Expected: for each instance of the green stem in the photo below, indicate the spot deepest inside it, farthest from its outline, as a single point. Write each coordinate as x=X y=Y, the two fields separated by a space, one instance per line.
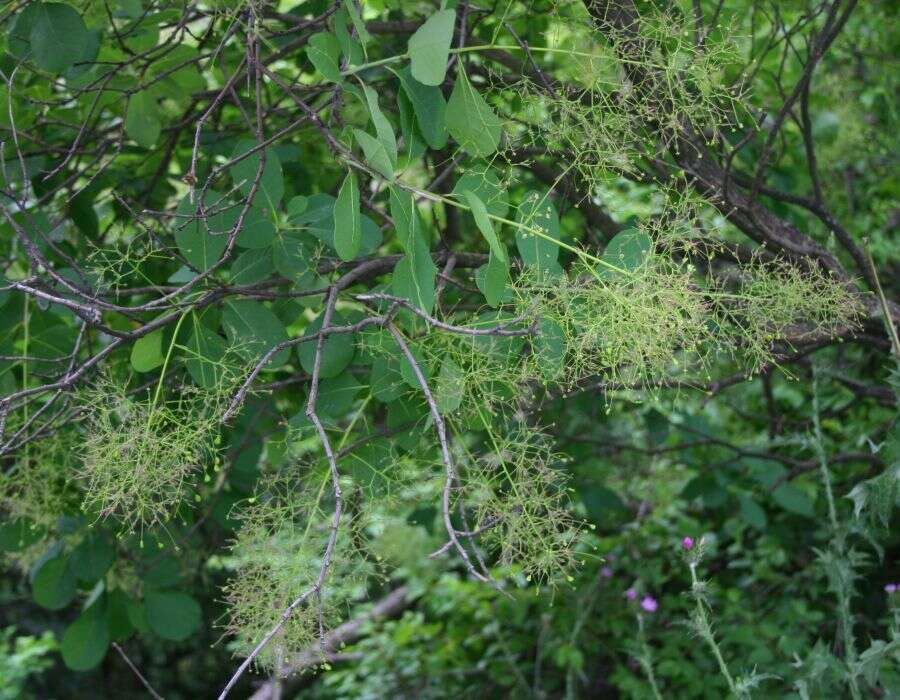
x=488 y=47
x=645 y=660
x=842 y=589
x=705 y=631
x=885 y=309
x=162 y=374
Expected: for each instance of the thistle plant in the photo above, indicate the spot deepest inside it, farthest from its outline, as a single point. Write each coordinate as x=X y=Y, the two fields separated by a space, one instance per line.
x=645 y=657
x=701 y=625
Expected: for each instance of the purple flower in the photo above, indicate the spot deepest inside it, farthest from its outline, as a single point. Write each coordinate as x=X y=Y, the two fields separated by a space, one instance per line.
x=649 y=604
x=891 y=588
x=631 y=594
x=687 y=544
x=606 y=572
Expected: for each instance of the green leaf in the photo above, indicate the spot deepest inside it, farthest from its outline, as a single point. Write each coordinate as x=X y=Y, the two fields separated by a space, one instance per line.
x=146 y=353
x=132 y=9
x=376 y=153
x=429 y=48
x=257 y=230
x=205 y=350
x=414 y=275
x=450 y=387
x=471 y=121
x=244 y=172
x=627 y=250
x=350 y=47
x=406 y=368
x=318 y=220
x=203 y=242
x=174 y=616
x=413 y=142
x=118 y=622
x=385 y=381
x=486 y=185
x=413 y=279
x=16 y=535
x=92 y=558
x=251 y=266
x=492 y=278
x=324 y=52
x=18 y=40
x=538 y=212
x=292 y=256
x=137 y=616
x=53 y=586
x=347 y=224
x=752 y=513
x=58 y=37
x=383 y=129
x=253 y=329
x=550 y=348
x=336 y=394
x=358 y=24
x=370 y=466
x=142 y=121
x=793 y=500
x=482 y=220
x=429 y=106
x=337 y=352
x=162 y=573
x=86 y=640
x=601 y=503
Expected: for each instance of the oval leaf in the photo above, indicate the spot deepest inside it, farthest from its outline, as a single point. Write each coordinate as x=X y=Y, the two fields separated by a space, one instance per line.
x=59 y=37
x=146 y=353
x=337 y=352
x=174 y=616
x=254 y=330
x=429 y=48
x=142 y=121
x=86 y=640
x=324 y=52
x=53 y=586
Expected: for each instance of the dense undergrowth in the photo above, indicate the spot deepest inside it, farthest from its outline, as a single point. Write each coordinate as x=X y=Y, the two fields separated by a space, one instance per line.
x=562 y=333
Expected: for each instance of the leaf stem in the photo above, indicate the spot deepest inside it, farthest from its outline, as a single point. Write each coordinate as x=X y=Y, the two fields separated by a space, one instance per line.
x=162 y=373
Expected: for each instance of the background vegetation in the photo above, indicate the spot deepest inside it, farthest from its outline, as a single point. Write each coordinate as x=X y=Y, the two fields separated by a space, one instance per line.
x=536 y=348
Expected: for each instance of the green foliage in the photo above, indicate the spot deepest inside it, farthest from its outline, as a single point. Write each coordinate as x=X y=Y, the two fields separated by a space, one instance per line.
x=429 y=48
x=277 y=556
x=553 y=284
x=470 y=120
x=140 y=458
x=21 y=657
x=347 y=224
x=86 y=640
